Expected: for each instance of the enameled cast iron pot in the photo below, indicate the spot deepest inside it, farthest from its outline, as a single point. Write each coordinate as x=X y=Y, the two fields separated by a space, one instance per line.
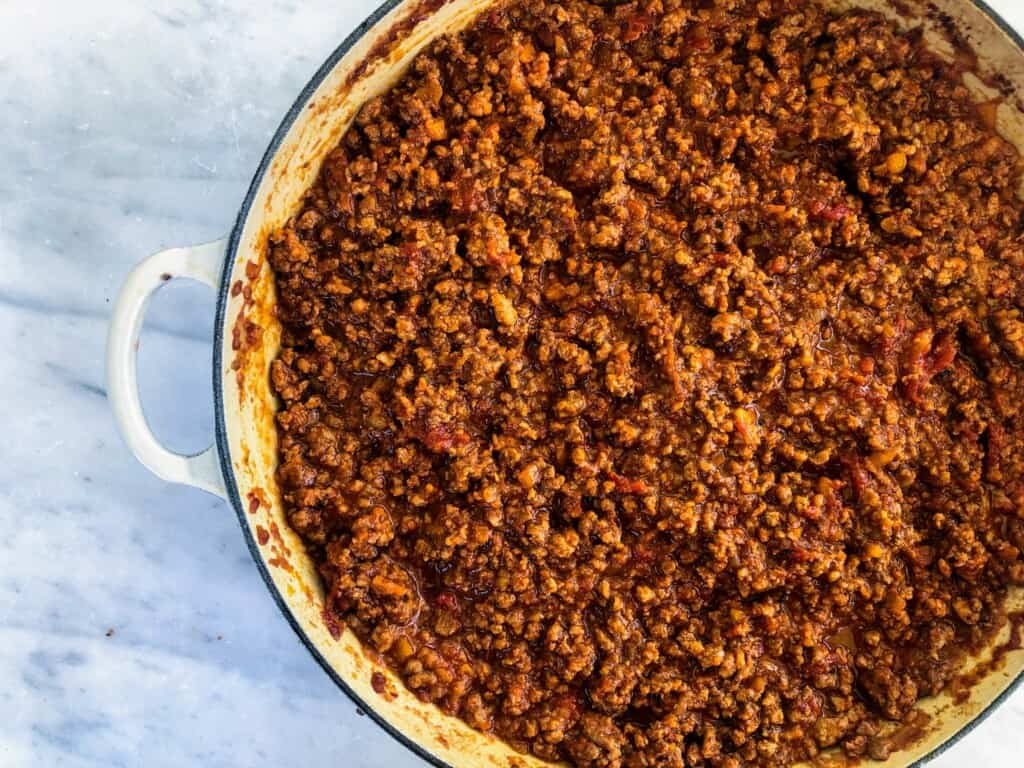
x=240 y=466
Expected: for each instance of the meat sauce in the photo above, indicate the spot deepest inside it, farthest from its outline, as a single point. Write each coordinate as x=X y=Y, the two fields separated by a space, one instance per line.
x=651 y=379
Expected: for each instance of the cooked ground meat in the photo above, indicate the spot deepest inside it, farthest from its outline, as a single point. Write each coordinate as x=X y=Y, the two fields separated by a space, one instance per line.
x=651 y=378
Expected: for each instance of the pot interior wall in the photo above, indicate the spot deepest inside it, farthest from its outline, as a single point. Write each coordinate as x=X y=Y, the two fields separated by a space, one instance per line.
x=251 y=339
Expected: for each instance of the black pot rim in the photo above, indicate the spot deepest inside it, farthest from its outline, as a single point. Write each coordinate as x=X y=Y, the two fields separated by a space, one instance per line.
x=223 y=447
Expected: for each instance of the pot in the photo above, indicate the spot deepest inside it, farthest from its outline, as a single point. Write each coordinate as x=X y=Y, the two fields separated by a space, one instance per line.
x=240 y=465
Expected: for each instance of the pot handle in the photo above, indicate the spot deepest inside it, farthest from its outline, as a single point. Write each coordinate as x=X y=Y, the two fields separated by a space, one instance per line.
x=202 y=263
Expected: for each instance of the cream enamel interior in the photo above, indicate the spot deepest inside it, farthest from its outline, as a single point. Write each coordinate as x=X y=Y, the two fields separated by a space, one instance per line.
x=249 y=404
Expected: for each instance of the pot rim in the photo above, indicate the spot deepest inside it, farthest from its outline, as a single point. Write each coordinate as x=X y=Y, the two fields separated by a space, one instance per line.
x=220 y=426
x=221 y=435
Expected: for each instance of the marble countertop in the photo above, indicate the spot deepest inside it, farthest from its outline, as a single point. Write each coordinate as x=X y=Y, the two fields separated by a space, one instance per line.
x=134 y=628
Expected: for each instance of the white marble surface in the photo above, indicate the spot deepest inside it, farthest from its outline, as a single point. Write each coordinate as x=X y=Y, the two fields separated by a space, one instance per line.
x=134 y=629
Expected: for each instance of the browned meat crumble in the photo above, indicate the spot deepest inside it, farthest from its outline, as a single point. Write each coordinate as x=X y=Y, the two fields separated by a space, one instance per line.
x=651 y=378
